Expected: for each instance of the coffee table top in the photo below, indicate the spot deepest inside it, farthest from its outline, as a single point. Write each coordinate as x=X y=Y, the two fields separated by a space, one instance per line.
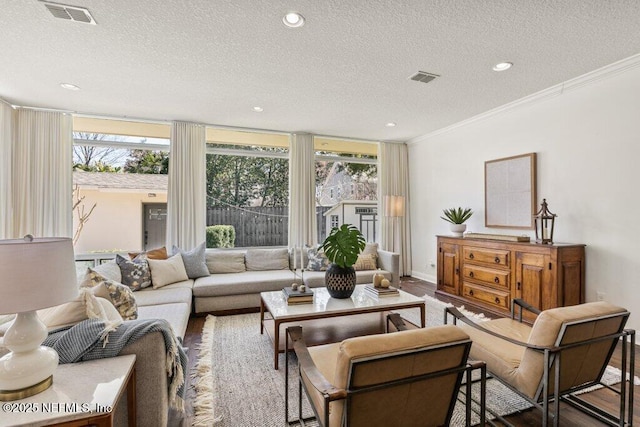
x=323 y=304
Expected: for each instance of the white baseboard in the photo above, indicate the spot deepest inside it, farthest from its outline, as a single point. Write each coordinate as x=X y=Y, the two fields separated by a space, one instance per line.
x=423 y=276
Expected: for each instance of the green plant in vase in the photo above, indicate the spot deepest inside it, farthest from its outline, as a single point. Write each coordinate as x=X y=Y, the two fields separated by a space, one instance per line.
x=342 y=247
x=457 y=218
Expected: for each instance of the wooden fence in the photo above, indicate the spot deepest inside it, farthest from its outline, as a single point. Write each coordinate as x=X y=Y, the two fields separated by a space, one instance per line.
x=261 y=226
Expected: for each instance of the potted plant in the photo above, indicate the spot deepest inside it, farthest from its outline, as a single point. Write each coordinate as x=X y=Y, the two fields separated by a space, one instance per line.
x=456 y=218
x=342 y=247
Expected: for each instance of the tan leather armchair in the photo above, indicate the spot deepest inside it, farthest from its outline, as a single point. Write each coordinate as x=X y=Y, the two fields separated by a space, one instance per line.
x=570 y=346
x=408 y=378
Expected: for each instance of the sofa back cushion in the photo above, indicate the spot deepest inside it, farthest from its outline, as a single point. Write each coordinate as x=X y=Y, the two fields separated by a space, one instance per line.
x=267 y=259
x=221 y=261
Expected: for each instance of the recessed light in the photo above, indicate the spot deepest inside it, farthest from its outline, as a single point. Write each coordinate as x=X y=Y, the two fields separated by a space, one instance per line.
x=390 y=125
x=502 y=66
x=293 y=20
x=258 y=109
x=69 y=86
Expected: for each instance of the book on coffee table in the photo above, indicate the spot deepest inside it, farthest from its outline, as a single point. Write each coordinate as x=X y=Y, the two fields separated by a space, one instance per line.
x=381 y=292
x=296 y=297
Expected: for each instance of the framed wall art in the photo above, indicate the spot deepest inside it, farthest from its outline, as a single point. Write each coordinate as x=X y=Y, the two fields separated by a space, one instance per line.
x=510 y=192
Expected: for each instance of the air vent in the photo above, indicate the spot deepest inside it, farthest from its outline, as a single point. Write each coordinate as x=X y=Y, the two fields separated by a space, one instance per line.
x=70 y=13
x=423 y=77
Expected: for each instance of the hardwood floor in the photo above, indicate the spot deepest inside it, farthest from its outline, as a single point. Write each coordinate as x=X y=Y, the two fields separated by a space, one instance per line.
x=533 y=417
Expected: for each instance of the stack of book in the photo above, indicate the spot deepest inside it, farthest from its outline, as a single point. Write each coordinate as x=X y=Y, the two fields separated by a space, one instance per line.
x=296 y=297
x=381 y=292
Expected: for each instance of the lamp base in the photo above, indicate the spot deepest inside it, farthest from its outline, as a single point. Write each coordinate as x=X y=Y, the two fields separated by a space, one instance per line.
x=23 y=393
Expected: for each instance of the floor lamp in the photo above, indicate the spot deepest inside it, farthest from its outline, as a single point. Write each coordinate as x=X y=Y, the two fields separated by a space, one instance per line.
x=394 y=209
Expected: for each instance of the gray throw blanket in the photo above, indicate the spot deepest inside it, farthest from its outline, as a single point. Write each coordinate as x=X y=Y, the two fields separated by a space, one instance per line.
x=94 y=339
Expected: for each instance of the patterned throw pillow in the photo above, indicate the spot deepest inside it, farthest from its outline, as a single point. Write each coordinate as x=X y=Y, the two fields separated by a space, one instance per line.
x=194 y=261
x=135 y=273
x=120 y=295
x=318 y=261
x=365 y=262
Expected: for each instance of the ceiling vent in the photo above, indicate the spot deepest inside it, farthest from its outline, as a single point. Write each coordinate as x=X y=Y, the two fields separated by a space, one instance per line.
x=423 y=77
x=70 y=13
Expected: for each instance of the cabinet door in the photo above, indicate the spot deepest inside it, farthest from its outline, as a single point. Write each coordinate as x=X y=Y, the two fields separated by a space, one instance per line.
x=449 y=268
x=532 y=279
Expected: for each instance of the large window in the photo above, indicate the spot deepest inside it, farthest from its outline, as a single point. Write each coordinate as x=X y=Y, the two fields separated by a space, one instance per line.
x=346 y=186
x=248 y=186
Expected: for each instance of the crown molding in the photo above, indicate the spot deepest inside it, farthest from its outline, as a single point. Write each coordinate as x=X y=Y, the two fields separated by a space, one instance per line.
x=579 y=82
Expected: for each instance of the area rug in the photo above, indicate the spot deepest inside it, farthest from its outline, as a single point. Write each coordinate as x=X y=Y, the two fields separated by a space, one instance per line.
x=236 y=385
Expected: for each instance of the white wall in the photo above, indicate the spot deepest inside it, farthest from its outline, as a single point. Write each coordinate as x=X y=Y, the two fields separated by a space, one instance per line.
x=587 y=141
x=116 y=222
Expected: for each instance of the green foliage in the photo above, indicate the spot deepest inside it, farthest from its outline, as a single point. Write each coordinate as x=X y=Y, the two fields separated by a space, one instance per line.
x=221 y=236
x=145 y=161
x=343 y=245
x=96 y=167
x=241 y=180
x=457 y=215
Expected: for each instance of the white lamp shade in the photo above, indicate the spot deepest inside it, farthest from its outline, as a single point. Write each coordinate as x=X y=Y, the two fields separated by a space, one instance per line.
x=36 y=274
x=394 y=206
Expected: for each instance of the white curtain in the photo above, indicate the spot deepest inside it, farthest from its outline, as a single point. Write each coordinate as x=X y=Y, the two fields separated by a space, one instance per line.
x=393 y=180
x=6 y=148
x=186 y=198
x=41 y=174
x=302 y=191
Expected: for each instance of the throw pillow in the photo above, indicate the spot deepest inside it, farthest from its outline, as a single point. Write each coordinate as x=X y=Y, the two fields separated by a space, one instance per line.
x=110 y=270
x=119 y=295
x=371 y=248
x=365 y=262
x=267 y=259
x=158 y=253
x=194 y=261
x=221 y=261
x=168 y=271
x=85 y=306
x=318 y=261
x=135 y=273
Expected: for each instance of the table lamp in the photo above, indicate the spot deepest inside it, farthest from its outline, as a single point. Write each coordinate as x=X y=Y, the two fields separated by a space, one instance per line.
x=34 y=274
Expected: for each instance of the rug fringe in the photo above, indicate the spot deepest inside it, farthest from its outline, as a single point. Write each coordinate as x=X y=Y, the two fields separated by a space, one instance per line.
x=202 y=378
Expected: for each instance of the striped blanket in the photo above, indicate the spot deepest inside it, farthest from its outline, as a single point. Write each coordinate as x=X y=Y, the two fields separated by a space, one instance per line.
x=94 y=339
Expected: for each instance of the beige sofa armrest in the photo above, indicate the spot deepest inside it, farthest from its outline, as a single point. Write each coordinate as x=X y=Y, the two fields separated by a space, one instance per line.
x=152 y=397
x=390 y=261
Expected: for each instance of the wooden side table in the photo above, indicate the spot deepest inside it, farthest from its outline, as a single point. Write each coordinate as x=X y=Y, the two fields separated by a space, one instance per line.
x=82 y=394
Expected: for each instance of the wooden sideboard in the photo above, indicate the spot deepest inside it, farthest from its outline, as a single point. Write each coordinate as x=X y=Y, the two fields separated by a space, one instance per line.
x=490 y=273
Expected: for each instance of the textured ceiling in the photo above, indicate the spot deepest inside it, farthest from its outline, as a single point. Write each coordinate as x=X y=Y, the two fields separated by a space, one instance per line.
x=345 y=73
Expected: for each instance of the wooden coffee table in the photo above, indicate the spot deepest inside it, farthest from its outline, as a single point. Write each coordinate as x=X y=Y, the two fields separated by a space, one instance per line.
x=325 y=307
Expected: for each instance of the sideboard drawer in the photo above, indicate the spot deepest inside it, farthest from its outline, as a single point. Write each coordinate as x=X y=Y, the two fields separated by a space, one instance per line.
x=486 y=256
x=493 y=297
x=490 y=276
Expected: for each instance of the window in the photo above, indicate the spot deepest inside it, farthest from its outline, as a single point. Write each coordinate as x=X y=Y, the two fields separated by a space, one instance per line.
x=248 y=186
x=346 y=172
x=120 y=185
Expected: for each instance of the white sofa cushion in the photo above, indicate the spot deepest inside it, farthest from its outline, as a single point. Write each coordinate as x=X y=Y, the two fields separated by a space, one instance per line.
x=174 y=293
x=176 y=314
x=221 y=261
x=247 y=282
x=267 y=259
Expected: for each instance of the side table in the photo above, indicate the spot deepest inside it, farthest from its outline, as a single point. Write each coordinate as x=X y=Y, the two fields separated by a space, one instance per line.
x=82 y=394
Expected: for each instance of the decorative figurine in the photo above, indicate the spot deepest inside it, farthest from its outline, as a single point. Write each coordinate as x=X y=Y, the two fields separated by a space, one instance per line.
x=294 y=286
x=385 y=283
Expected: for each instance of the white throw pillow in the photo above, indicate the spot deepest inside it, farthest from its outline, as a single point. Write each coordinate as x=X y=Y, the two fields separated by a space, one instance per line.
x=109 y=270
x=165 y=272
x=85 y=306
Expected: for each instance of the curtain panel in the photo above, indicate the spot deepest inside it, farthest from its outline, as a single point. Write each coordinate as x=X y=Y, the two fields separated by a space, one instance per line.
x=186 y=195
x=302 y=191
x=393 y=180
x=41 y=175
x=6 y=148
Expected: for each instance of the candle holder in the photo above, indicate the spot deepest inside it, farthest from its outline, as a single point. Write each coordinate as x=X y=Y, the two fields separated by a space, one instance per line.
x=544 y=222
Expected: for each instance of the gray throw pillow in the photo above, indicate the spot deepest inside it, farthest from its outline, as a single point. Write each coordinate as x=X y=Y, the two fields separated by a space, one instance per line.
x=318 y=261
x=135 y=273
x=194 y=261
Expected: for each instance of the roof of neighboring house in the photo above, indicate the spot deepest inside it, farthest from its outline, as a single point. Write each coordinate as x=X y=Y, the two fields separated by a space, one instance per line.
x=129 y=181
x=351 y=202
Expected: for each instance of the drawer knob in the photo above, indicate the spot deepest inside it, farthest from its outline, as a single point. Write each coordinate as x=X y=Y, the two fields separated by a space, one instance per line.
x=497 y=279
x=497 y=260
x=497 y=300
x=471 y=292
x=471 y=274
x=471 y=255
